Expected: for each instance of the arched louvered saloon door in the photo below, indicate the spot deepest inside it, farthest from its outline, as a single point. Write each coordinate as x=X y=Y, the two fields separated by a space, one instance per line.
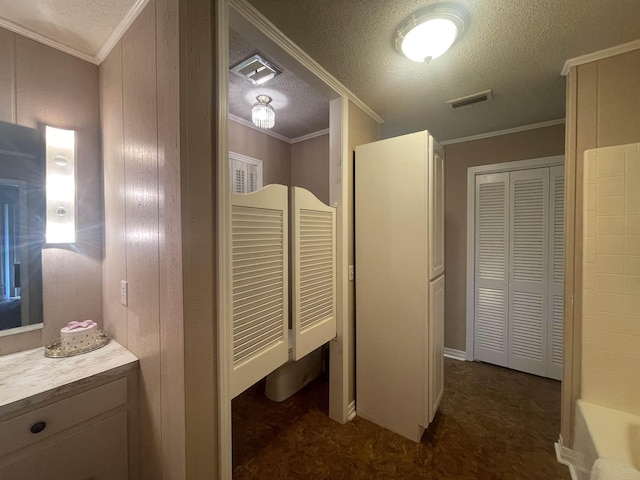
x=260 y=284
x=313 y=272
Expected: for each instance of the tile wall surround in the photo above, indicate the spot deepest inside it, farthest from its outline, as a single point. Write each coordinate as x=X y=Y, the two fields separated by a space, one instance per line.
x=611 y=278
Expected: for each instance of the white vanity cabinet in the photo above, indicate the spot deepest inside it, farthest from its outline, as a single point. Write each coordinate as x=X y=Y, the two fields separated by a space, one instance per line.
x=79 y=425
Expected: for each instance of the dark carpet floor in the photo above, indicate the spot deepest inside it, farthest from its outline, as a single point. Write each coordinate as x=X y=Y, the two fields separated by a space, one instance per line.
x=493 y=423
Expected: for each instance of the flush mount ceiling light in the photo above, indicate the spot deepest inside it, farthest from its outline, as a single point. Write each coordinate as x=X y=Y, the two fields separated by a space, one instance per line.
x=262 y=114
x=430 y=32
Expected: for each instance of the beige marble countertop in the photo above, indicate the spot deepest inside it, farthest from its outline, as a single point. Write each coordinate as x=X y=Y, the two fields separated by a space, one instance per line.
x=29 y=377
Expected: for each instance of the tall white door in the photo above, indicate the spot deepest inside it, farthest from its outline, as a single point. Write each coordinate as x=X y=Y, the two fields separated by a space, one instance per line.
x=491 y=268
x=528 y=272
x=518 y=270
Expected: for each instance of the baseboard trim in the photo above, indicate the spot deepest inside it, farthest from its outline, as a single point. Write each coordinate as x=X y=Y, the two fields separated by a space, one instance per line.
x=351 y=411
x=565 y=456
x=455 y=354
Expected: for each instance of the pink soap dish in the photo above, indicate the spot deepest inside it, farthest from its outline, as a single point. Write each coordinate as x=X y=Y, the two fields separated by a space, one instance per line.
x=55 y=350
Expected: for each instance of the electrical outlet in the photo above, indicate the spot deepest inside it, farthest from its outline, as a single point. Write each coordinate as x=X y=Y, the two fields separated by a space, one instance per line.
x=352 y=273
x=124 y=292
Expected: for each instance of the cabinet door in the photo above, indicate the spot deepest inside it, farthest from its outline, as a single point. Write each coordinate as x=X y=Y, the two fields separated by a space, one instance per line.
x=436 y=209
x=24 y=469
x=436 y=345
x=98 y=452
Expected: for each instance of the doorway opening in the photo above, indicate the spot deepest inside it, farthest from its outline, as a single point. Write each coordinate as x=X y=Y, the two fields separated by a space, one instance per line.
x=296 y=155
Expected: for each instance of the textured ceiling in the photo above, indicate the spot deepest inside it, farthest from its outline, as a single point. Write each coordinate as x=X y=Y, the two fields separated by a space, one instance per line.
x=83 y=25
x=515 y=47
x=300 y=109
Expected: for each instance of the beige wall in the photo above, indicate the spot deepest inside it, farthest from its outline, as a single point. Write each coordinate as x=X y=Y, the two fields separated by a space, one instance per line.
x=42 y=86
x=303 y=164
x=310 y=166
x=361 y=129
x=275 y=154
x=542 y=142
x=140 y=125
x=603 y=109
x=611 y=278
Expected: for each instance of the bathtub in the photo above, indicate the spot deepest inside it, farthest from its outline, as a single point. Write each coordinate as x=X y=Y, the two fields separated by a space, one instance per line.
x=602 y=432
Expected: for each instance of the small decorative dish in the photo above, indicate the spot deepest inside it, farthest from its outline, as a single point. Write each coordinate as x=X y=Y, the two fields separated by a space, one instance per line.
x=56 y=350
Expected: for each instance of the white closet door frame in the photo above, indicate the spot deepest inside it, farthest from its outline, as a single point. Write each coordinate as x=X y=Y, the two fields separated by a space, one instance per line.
x=555 y=161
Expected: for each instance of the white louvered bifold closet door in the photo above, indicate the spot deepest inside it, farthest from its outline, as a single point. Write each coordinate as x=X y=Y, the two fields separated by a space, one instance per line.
x=556 y=273
x=260 y=284
x=313 y=272
x=529 y=253
x=491 y=267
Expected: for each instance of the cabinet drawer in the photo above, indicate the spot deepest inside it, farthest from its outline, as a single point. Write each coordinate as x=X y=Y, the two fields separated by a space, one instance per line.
x=22 y=431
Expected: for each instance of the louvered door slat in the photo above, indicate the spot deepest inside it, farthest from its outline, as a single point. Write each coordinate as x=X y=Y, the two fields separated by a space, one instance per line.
x=556 y=273
x=313 y=273
x=491 y=260
x=260 y=284
x=528 y=258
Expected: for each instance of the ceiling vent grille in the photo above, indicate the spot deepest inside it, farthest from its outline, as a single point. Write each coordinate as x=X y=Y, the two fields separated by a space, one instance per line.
x=471 y=100
x=256 y=69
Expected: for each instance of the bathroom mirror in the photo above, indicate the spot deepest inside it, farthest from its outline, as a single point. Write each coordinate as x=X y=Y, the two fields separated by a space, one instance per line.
x=22 y=226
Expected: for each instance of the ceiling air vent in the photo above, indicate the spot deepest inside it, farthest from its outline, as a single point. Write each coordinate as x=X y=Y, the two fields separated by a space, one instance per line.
x=471 y=100
x=256 y=69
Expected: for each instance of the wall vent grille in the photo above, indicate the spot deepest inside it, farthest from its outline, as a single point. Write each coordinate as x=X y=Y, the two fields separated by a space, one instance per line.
x=471 y=100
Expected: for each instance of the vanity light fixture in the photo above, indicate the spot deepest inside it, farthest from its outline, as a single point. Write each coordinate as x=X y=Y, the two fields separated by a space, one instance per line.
x=262 y=113
x=61 y=185
x=430 y=32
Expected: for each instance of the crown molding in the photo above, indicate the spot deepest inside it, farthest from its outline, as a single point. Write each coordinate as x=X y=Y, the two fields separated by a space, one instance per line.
x=599 y=55
x=249 y=124
x=111 y=41
x=271 y=133
x=49 y=42
x=250 y=13
x=309 y=136
x=120 y=29
x=507 y=131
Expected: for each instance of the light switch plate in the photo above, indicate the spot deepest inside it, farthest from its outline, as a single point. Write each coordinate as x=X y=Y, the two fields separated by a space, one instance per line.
x=124 y=292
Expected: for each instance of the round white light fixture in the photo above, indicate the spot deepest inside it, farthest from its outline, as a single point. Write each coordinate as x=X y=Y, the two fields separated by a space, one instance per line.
x=262 y=114
x=430 y=32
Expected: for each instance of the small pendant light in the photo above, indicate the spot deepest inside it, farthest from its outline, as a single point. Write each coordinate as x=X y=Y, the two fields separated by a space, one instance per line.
x=262 y=114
